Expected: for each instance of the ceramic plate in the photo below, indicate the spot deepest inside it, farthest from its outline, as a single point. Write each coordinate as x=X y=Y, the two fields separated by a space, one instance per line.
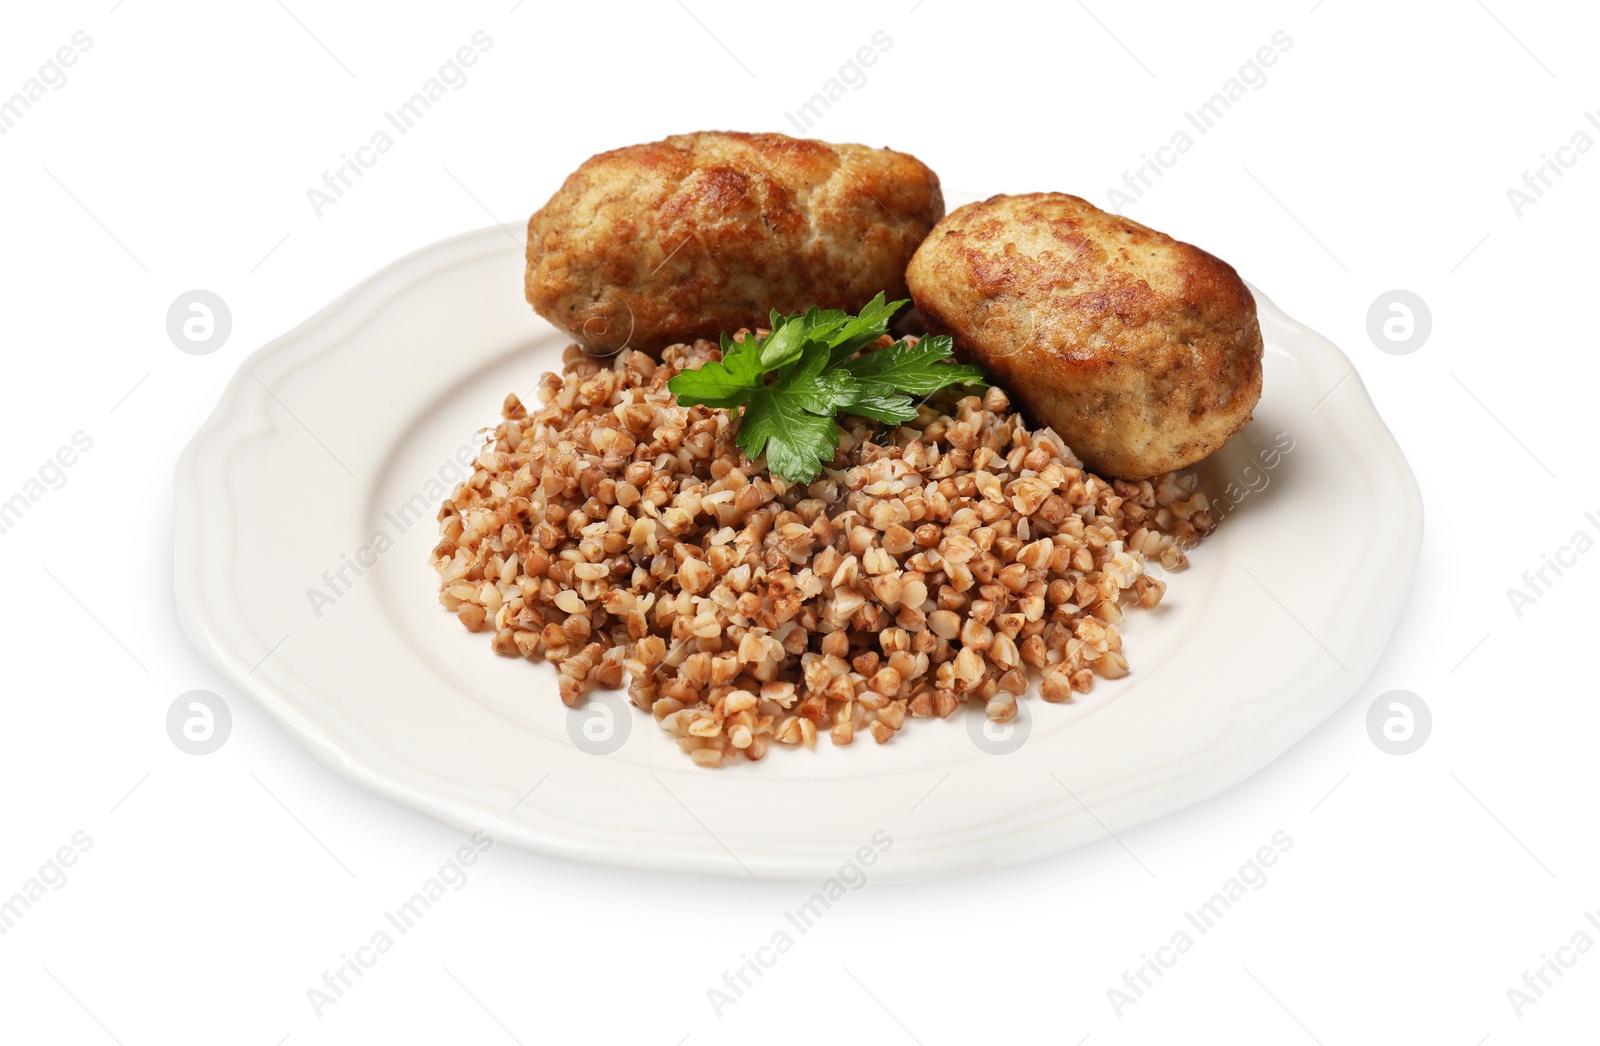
x=305 y=515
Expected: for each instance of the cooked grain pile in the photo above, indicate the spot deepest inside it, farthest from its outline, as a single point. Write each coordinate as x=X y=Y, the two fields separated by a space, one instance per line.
x=615 y=532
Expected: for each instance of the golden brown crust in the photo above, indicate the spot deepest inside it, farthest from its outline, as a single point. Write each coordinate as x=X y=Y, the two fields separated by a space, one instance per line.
x=705 y=233
x=1142 y=352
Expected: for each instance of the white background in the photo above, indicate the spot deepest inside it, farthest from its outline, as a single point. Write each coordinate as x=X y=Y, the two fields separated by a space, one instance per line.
x=1377 y=156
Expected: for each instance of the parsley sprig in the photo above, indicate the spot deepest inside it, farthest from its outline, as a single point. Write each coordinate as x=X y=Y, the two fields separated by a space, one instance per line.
x=810 y=368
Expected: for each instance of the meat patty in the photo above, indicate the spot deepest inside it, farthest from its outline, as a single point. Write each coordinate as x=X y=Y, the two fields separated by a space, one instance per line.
x=705 y=233
x=1142 y=352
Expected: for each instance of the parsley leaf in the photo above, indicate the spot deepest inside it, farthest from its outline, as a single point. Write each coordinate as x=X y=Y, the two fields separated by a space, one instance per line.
x=792 y=383
x=726 y=384
x=787 y=340
x=863 y=330
x=821 y=325
x=797 y=442
x=911 y=368
x=792 y=418
x=881 y=403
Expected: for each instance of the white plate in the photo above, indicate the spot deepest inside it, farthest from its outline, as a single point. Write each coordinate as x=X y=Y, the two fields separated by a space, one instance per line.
x=327 y=433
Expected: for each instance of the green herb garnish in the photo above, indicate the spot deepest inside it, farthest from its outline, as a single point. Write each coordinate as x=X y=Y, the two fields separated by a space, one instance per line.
x=810 y=368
